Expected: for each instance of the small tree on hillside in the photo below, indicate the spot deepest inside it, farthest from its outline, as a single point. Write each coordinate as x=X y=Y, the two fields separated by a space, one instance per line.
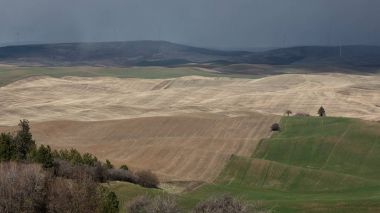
x=321 y=112
x=288 y=112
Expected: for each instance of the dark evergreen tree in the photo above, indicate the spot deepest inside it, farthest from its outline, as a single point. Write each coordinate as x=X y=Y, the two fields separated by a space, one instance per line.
x=44 y=156
x=109 y=202
x=24 y=142
x=108 y=165
x=89 y=160
x=7 y=147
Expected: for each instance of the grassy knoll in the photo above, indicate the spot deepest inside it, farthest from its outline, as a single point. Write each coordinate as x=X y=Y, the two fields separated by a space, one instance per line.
x=343 y=145
x=9 y=74
x=312 y=165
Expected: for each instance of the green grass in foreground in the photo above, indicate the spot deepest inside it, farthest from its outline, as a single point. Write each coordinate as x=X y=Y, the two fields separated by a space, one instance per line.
x=313 y=165
x=11 y=74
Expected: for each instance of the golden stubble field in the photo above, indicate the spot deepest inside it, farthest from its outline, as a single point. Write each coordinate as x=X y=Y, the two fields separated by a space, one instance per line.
x=184 y=128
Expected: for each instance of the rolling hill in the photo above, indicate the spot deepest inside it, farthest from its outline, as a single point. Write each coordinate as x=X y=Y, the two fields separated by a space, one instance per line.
x=104 y=98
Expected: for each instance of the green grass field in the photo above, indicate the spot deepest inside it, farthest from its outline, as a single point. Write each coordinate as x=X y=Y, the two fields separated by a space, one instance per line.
x=312 y=165
x=11 y=74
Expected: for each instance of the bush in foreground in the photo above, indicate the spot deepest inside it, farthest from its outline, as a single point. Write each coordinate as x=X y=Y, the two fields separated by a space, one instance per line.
x=302 y=114
x=22 y=187
x=147 y=179
x=224 y=204
x=43 y=155
x=66 y=195
x=109 y=202
x=30 y=188
x=158 y=204
x=122 y=175
x=138 y=205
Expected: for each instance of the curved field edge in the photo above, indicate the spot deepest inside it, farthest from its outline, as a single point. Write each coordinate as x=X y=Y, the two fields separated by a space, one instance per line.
x=282 y=176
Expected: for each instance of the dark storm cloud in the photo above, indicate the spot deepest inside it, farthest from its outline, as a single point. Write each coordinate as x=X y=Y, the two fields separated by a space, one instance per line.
x=210 y=23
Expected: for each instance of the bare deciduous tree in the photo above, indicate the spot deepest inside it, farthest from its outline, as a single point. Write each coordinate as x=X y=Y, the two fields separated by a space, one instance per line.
x=22 y=187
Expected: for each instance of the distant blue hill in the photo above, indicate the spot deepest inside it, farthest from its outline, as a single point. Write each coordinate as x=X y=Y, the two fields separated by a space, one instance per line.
x=162 y=53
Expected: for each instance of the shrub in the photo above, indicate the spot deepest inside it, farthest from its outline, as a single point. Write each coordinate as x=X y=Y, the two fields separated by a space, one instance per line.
x=66 y=195
x=22 y=187
x=44 y=156
x=121 y=175
x=158 y=204
x=109 y=202
x=302 y=114
x=108 y=165
x=224 y=204
x=125 y=167
x=29 y=188
x=147 y=179
x=100 y=173
x=275 y=127
x=163 y=204
x=138 y=205
x=65 y=169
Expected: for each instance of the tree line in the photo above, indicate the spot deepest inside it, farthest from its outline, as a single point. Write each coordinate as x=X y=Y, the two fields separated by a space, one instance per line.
x=38 y=179
x=68 y=181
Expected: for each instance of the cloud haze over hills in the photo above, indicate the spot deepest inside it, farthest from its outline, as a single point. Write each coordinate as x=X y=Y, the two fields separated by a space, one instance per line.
x=206 y=23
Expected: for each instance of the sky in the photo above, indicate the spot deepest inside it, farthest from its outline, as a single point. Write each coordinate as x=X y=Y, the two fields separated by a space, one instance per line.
x=223 y=24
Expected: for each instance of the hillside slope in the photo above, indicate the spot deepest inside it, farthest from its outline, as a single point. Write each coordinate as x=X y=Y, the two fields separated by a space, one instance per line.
x=184 y=148
x=295 y=180
x=313 y=165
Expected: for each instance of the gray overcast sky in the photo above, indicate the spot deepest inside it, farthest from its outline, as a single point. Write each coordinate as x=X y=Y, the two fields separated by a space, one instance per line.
x=208 y=23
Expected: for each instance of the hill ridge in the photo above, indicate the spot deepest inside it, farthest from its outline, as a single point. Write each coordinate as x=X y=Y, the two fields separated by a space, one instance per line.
x=163 y=53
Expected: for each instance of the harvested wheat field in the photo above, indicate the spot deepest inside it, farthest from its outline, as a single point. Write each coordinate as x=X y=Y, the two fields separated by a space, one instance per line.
x=94 y=99
x=183 y=128
x=192 y=147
